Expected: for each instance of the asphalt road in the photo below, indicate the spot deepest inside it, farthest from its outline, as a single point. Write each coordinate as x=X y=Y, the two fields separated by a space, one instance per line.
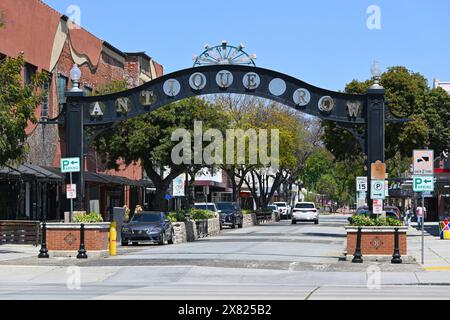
x=278 y=261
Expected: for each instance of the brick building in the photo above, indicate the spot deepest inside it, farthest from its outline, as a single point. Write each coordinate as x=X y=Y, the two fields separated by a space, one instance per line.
x=52 y=44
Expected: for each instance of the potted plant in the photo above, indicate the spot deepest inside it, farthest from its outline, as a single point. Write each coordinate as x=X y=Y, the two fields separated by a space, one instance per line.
x=377 y=235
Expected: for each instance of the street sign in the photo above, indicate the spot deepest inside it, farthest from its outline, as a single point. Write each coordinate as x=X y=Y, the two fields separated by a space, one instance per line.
x=423 y=183
x=378 y=171
x=378 y=206
x=71 y=191
x=386 y=189
x=361 y=184
x=377 y=191
x=424 y=162
x=69 y=165
x=179 y=186
x=168 y=197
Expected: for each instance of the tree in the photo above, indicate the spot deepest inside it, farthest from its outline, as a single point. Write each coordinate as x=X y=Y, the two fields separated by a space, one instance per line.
x=148 y=139
x=294 y=148
x=18 y=101
x=406 y=94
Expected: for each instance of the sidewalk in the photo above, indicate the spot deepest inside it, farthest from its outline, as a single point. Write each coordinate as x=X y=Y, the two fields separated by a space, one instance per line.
x=437 y=251
x=14 y=252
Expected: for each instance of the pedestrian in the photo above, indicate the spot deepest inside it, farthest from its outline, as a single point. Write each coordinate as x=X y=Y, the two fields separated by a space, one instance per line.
x=420 y=217
x=408 y=217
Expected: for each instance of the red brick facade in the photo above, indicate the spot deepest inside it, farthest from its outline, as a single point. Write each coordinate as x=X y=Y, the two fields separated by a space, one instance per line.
x=63 y=239
x=49 y=44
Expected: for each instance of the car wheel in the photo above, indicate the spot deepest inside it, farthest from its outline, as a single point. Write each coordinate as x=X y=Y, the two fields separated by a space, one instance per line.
x=294 y=222
x=125 y=244
x=135 y=244
x=241 y=225
x=162 y=240
x=316 y=222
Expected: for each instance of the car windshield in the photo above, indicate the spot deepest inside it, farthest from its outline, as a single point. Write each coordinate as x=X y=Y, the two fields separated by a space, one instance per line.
x=282 y=205
x=226 y=206
x=305 y=206
x=205 y=207
x=147 y=217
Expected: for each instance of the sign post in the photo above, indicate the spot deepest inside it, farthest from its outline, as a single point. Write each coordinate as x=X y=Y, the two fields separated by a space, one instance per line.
x=71 y=165
x=423 y=182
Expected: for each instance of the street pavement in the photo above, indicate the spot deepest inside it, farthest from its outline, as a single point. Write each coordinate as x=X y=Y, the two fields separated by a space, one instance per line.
x=275 y=261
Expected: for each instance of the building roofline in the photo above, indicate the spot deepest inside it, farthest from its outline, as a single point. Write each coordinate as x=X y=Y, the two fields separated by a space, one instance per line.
x=139 y=54
x=118 y=51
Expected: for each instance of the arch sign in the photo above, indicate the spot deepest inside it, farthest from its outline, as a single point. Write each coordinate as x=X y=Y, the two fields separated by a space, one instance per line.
x=346 y=110
x=328 y=105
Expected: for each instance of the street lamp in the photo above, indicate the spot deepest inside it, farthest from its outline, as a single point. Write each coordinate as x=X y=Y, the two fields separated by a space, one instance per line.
x=376 y=73
x=75 y=76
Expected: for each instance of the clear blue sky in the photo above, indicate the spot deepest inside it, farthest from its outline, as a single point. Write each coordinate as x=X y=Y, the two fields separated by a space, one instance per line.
x=323 y=42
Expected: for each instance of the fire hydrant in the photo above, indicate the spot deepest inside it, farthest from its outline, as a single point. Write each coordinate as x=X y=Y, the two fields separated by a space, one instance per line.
x=113 y=240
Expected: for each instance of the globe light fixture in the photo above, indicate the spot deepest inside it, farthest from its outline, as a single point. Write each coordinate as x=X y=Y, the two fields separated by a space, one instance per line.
x=75 y=76
x=376 y=72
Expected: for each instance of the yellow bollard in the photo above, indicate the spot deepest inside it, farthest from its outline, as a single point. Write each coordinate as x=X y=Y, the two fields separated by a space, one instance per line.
x=113 y=240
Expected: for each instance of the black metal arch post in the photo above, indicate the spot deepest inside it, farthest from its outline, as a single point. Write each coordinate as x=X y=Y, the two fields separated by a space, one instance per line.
x=346 y=110
x=375 y=131
x=74 y=131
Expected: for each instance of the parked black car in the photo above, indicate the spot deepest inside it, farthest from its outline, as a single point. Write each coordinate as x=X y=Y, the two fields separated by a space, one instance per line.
x=230 y=214
x=149 y=227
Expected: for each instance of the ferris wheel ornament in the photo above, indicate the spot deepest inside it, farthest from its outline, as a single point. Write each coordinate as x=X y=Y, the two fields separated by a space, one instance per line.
x=225 y=54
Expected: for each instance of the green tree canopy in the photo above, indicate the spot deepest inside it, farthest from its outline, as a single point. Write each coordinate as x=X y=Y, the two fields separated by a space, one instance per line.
x=148 y=139
x=18 y=101
x=407 y=95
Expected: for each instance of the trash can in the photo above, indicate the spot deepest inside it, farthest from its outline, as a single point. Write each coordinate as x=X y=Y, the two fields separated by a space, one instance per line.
x=445 y=230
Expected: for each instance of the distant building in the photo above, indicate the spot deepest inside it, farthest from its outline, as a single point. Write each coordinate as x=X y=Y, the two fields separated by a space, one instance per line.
x=51 y=44
x=441 y=84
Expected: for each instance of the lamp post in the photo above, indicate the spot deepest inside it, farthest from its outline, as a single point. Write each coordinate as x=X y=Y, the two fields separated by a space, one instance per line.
x=74 y=134
x=375 y=130
x=75 y=76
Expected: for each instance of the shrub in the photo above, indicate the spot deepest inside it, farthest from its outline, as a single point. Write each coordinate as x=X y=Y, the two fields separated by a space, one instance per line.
x=202 y=215
x=177 y=216
x=247 y=212
x=93 y=217
x=364 y=221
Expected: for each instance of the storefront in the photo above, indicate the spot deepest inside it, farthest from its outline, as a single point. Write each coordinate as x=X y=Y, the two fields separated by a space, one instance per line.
x=29 y=193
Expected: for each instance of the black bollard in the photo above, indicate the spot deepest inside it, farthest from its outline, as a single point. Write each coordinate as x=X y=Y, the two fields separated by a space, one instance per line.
x=43 y=253
x=357 y=257
x=82 y=252
x=396 y=258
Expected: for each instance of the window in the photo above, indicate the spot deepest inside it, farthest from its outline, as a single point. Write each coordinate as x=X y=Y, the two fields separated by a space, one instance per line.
x=45 y=101
x=29 y=72
x=62 y=88
x=87 y=91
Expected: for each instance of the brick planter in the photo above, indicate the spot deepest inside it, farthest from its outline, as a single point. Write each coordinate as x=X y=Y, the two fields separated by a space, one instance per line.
x=63 y=239
x=377 y=241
